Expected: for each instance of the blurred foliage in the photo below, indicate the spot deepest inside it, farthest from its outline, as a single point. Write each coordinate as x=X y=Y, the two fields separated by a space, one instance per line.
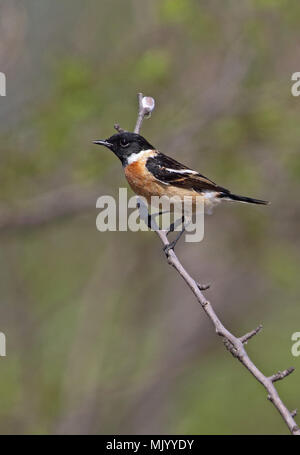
x=97 y=323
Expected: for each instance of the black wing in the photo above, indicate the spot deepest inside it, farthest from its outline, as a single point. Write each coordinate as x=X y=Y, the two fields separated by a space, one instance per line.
x=171 y=172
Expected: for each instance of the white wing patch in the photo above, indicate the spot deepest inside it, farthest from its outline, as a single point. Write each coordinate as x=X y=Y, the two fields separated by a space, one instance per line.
x=181 y=171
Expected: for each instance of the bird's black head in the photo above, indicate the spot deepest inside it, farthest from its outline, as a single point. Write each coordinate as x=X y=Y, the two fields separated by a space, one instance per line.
x=125 y=144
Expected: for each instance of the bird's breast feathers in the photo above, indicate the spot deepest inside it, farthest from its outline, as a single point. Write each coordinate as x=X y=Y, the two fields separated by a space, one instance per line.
x=141 y=180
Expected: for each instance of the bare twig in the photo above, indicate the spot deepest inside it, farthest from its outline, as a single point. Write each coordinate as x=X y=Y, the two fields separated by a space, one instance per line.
x=281 y=374
x=118 y=128
x=234 y=344
x=251 y=334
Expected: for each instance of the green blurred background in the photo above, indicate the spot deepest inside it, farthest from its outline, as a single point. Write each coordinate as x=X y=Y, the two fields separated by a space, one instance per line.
x=102 y=335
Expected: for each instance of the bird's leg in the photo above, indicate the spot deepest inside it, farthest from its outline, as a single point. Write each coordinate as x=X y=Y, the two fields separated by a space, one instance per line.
x=150 y=217
x=172 y=245
x=174 y=225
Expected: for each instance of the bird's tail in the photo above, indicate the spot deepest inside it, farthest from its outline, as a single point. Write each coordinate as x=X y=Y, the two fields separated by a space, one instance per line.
x=249 y=200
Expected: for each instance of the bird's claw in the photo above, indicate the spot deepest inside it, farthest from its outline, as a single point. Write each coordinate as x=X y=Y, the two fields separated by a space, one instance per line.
x=168 y=247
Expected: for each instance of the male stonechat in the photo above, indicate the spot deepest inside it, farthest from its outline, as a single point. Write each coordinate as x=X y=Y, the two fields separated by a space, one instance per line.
x=151 y=173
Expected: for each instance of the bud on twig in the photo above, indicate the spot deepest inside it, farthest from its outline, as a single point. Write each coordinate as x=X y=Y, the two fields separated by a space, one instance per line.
x=148 y=105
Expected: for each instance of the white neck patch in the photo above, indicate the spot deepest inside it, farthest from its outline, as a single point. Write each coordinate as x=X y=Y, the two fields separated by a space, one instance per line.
x=137 y=156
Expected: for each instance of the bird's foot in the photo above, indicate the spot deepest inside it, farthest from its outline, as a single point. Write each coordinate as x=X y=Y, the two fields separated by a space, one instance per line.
x=171 y=245
x=168 y=247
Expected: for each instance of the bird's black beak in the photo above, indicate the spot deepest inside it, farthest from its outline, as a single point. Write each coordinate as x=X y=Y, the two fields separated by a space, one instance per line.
x=105 y=143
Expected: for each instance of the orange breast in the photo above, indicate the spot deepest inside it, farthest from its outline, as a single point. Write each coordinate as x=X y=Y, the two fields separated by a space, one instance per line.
x=141 y=180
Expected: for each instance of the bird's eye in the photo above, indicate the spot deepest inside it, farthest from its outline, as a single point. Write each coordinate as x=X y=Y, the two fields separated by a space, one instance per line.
x=124 y=143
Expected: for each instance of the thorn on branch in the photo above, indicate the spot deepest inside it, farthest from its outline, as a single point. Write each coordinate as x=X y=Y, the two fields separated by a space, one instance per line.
x=118 y=128
x=281 y=374
x=294 y=413
x=203 y=287
x=251 y=334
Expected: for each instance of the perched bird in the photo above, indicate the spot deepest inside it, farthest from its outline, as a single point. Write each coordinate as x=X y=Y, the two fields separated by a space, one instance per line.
x=151 y=173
